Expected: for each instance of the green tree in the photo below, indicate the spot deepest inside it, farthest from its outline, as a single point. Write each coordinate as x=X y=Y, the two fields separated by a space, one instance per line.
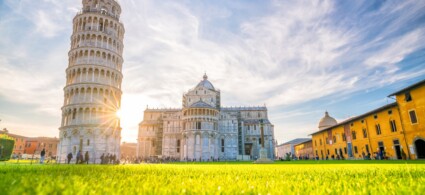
x=6 y=147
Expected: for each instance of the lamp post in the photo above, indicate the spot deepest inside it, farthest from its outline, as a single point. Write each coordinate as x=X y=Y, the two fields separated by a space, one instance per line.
x=263 y=151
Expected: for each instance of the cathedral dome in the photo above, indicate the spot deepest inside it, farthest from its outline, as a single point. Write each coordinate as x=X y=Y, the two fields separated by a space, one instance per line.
x=327 y=121
x=205 y=83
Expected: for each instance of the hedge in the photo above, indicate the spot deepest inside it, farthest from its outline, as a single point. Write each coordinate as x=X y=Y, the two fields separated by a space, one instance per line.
x=6 y=147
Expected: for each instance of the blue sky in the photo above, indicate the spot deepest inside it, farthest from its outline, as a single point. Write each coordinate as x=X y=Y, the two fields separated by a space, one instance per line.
x=300 y=58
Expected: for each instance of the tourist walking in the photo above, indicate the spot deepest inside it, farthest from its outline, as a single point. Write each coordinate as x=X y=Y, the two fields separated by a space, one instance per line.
x=69 y=157
x=42 y=155
x=86 y=157
x=78 y=157
x=102 y=159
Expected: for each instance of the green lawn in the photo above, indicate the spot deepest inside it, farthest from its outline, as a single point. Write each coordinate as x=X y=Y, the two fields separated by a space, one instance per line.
x=295 y=177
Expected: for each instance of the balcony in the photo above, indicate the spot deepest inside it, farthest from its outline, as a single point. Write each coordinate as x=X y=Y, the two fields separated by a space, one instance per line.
x=100 y=11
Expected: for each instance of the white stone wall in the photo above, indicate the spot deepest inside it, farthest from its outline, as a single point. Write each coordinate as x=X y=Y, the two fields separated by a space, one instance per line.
x=205 y=130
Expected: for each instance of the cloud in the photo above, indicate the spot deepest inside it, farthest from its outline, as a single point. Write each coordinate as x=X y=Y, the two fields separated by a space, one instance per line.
x=282 y=53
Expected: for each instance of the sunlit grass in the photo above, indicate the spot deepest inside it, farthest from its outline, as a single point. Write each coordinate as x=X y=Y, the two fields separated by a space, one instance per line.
x=231 y=178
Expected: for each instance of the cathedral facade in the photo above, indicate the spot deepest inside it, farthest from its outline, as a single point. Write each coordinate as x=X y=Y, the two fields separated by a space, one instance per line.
x=203 y=130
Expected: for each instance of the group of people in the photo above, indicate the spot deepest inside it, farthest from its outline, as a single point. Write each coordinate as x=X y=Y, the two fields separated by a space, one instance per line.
x=80 y=158
x=108 y=159
x=379 y=155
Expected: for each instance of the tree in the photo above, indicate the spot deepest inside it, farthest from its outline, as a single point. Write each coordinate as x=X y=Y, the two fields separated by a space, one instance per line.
x=6 y=147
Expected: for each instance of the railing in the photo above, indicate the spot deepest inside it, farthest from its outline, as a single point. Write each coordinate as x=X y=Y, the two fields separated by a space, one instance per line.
x=95 y=62
x=105 y=30
x=98 y=45
x=101 y=11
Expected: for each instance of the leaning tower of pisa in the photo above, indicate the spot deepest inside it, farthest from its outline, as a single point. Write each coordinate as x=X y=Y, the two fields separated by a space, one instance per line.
x=92 y=95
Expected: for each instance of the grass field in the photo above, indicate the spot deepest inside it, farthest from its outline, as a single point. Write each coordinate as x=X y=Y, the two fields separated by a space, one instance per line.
x=302 y=177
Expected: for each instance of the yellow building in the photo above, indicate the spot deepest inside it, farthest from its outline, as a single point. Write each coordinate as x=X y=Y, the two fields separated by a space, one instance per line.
x=393 y=131
x=411 y=105
x=304 y=149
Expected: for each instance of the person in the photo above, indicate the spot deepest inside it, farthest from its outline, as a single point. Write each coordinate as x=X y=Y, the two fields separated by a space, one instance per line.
x=78 y=157
x=69 y=157
x=81 y=158
x=108 y=159
x=403 y=155
x=102 y=159
x=86 y=157
x=42 y=155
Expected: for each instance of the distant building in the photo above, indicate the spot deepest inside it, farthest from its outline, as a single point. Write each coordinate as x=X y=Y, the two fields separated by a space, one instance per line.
x=393 y=131
x=128 y=149
x=33 y=145
x=304 y=150
x=288 y=147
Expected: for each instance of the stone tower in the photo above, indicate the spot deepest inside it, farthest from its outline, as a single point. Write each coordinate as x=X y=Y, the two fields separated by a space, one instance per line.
x=92 y=95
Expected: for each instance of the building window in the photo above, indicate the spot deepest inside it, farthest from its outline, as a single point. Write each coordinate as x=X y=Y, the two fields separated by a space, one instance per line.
x=328 y=152
x=362 y=121
x=396 y=142
x=345 y=150
x=315 y=143
x=355 y=149
x=354 y=135
x=413 y=118
x=364 y=133
x=73 y=114
x=88 y=142
x=336 y=151
x=198 y=125
x=367 y=148
x=390 y=112
x=344 y=138
x=375 y=116
x=378 y=129
x=407 y=97
x=178 y=146
x=334 y=138
x=320 y=141
x=393 y=126
x=222 y=145
x=351 y=124
x=317 y=154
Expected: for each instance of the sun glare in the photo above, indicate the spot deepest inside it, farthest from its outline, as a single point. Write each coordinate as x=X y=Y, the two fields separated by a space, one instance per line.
x=119 y=113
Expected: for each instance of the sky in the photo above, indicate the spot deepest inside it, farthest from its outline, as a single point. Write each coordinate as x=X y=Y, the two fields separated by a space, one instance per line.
x=300 y=58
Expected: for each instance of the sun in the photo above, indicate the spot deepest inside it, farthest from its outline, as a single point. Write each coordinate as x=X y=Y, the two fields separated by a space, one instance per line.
x=119 y=113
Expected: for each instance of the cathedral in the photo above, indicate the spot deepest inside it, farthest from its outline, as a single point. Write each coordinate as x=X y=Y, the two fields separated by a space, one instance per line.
x=203 y=130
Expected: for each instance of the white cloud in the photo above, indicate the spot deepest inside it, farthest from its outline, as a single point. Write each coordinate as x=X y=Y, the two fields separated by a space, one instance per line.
x=291 y=54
